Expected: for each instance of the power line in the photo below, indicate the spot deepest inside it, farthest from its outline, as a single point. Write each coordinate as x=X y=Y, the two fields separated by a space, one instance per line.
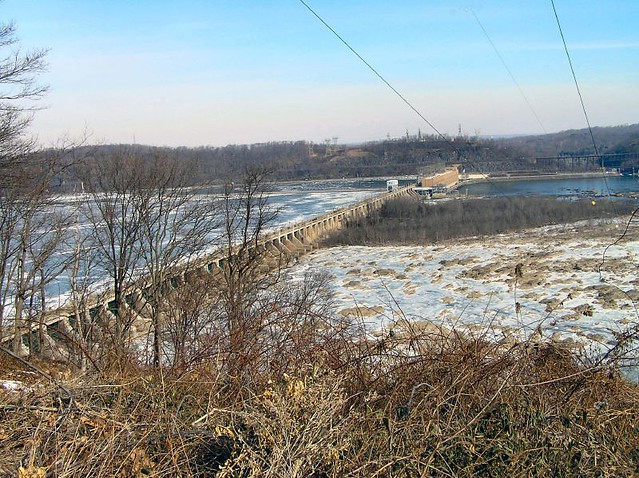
x=503 y=62
x=402 y=97
x=510 y=73
x=372 y=69
x=574 y=77
x=583 y=106
x=592 y=136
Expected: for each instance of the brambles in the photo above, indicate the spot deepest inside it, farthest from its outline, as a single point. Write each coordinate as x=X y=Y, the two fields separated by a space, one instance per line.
x=426 y=403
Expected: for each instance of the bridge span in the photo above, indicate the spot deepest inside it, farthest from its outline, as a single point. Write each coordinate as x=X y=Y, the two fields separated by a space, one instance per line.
x=291 y=241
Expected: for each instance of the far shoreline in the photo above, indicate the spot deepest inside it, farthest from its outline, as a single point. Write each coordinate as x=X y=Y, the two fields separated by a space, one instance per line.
x=535 y=177
x=500 y=177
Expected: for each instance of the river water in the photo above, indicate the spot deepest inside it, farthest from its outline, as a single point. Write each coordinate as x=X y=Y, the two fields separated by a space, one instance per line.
x=590 y=186
x=586 y=186
x=302 y=200
x=431 y=282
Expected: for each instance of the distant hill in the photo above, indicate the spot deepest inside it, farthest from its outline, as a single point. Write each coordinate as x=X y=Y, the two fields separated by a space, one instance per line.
x=610 y=139
x=291 y=160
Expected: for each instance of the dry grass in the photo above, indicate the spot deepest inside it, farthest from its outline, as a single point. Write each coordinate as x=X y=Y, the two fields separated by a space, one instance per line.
x=417 y=403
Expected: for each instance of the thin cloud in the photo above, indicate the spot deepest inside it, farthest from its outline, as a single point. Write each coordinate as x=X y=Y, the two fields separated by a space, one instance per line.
x=573 y=46
x=606 y=46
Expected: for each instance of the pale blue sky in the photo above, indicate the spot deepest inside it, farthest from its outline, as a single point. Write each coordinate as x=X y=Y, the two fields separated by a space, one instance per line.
x=218 y=72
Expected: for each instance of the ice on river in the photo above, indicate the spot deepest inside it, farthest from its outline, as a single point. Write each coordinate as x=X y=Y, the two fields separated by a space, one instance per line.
x=293 y=206
x=472 y=284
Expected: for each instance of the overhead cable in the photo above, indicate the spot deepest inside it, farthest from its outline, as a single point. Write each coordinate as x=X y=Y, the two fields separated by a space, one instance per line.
x=503 y=62
x=393 y=89
x=408 y=103
x=574 y=77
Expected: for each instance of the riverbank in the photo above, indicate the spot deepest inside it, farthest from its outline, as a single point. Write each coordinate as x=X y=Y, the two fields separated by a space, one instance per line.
x=310 y=392
x=534 y=177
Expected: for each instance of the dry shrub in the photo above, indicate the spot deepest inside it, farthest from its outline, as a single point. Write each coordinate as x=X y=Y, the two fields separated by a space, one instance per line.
x=472 y=408
x=416 y=402
x=296 y=427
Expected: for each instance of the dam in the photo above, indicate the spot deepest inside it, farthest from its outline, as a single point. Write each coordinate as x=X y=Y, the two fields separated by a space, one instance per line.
x=273 y=249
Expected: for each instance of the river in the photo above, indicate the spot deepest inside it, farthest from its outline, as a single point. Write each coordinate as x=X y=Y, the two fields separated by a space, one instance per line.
x=587 y=186
x=571 y=186
x=302 y=200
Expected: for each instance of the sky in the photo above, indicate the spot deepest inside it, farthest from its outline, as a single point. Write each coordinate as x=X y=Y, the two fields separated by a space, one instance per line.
x=217 y=72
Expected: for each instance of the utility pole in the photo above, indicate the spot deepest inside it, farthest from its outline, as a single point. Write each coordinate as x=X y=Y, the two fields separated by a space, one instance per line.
x=327 y=142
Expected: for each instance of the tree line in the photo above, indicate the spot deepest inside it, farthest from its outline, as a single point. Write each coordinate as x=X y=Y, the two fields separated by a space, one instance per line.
x=295 y=160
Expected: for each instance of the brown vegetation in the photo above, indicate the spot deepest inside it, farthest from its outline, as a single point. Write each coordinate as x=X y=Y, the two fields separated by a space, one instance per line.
x=406 y=220
x=415 y=402
x=260 y=378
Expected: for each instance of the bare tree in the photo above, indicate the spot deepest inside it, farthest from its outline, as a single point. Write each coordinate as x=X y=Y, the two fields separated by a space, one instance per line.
x=177 y=225
x=28 y=237
x=114 y=218
x=247 y=215
x=194 y=327
x=147 y=223
x=18 y=86
x=32 y=227
x=9 y=246
x=222 y=314
x=244 y=315
x=41 y=231
x=84 y=271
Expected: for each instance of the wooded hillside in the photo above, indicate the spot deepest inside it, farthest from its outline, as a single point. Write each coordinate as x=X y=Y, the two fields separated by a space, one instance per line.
x=290 y=160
